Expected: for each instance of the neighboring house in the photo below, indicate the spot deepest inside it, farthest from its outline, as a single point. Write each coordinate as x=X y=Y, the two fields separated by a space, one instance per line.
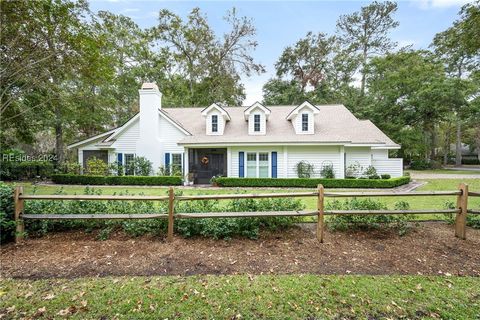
x=257 y=141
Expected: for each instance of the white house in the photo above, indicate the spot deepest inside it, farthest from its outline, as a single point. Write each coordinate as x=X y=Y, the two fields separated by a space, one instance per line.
x=258 y=141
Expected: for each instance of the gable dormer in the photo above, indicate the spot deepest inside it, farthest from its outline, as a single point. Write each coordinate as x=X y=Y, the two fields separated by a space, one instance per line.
x=215 y=119
x=257 y=116
x=303 y=118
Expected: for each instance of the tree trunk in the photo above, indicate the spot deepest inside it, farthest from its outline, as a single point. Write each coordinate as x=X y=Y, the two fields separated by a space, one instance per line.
x=458 y=144
x=477 y=142
x=446 y=147
x=59 y=135
x=364 y=64
x=433 y=143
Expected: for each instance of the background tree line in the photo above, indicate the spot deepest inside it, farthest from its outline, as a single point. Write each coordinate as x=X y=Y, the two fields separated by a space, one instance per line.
x=67 y=72
x=423 y=99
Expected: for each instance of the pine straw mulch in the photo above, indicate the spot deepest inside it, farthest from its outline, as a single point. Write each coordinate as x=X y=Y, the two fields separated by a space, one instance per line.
x=429 y=248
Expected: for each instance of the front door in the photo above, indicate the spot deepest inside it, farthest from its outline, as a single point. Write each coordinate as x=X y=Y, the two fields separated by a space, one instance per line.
x=207 y=163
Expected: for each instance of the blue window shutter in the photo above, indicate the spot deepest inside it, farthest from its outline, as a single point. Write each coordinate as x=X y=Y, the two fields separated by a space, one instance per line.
x=274 y=164
x=167 y=159
x=120 y=158
x=241 y=164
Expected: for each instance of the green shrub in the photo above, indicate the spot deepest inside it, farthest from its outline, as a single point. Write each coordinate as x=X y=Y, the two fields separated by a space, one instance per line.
x=371 y=173
x=470 y=161
x=25 y=170
x=72 y=167
x=354 y=170
x=7 y=219
x=229 y=227
x=420 y=165
x=116 y=180
x=216 y=228
x=311 y=183
x=140 y=166
x=304 y=169
x=385 y=176
x=116 y=168
x=473 y=220
x=96 y=167
x=327 y=172
x=365 y=222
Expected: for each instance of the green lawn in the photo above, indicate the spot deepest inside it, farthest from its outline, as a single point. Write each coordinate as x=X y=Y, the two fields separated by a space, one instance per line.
x=445 y=171
x=244 y=297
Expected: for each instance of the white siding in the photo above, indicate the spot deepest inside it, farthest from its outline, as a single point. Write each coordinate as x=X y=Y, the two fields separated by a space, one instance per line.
x=234 y=165
x=126 y=141
x=319 y=156
x=379 y=154
x=297 y=121
x=251 y=122
x=208 y=122
x=393 y=167
x=362 y=155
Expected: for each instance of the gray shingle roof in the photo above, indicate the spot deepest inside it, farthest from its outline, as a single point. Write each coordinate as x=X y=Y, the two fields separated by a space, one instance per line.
x=333 y=124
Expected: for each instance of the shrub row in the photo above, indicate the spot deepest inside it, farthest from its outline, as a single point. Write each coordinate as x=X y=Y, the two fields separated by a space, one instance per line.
x=312 y=183
x=10 y=170
x=117 y=180
x=7 y=222
x=470 y=161
x=216 y=228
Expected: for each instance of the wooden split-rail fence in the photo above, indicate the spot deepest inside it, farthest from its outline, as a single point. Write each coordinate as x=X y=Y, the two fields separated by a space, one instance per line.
x=460 y=211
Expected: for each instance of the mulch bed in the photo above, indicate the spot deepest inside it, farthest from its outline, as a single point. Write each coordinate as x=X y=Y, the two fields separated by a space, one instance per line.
x=429 y=248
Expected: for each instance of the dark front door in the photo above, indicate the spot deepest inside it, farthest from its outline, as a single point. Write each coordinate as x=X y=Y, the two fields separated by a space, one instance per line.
x=207 y=163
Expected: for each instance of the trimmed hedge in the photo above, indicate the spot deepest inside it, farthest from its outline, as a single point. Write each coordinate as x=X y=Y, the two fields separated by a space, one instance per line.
x=312 y=183
x=117 y=180
x=25 y=170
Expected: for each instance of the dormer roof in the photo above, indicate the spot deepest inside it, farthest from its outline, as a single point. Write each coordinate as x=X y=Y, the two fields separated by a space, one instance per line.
x=215 y=106
x=307 y=104
x=255 y=106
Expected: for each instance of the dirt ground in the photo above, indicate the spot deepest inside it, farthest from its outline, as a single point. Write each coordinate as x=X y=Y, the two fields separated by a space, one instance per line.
x=430 y=248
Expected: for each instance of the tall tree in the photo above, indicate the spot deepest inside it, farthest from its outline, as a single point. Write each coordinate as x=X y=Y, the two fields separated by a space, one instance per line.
x=459 y=62
x=308 y=60
x=409 y=91
x=211 y=65
x=366 y=33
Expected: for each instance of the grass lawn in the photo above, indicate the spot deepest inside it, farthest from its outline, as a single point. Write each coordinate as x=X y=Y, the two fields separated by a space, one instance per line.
x=444 y=171
x=244 y=297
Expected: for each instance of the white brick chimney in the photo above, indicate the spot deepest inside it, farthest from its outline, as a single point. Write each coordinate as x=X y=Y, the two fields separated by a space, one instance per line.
x=149 y=145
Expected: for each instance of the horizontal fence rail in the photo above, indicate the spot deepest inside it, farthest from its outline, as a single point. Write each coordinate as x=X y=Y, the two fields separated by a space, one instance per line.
x=460 y=220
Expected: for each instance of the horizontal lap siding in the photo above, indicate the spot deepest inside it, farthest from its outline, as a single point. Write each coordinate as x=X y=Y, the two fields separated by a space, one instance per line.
x=361 y=155
x=393 y=167
x=234 y=160
x=169 y=136
x=126 y=142
x=316 y=155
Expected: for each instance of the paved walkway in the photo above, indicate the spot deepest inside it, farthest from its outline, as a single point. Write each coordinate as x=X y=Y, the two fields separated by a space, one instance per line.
x=426 y=176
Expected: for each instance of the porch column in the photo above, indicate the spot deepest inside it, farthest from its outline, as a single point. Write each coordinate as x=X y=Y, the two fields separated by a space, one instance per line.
x=185 y=164
x=342 y=162
x=229 y=162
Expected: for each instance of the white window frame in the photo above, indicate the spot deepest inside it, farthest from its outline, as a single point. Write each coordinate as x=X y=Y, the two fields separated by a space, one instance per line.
x=216 y=123
x=125 y=163
x=181 y=159
x=255 y=116
x=257 y=163
x=302 y=122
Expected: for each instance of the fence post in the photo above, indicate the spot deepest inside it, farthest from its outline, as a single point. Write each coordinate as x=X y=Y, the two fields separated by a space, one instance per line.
x=461 y=218
x=20 y=228
x=171 y=198
x=320 y=213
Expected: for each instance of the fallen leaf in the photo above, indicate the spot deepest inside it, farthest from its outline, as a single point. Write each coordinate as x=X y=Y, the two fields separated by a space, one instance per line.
x=49 y=296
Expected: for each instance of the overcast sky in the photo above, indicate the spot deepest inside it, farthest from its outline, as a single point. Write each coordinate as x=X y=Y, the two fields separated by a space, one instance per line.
x=282 y=23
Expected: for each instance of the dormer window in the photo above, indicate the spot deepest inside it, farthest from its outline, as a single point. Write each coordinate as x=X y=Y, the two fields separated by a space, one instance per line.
x=305 y=122
x=214 y=123
x=216 y=119
x=256 y=123
x=257 y=116
x=303 y=118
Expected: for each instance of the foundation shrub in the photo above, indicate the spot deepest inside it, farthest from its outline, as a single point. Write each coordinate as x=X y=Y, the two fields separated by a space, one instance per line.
x=367 y=222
